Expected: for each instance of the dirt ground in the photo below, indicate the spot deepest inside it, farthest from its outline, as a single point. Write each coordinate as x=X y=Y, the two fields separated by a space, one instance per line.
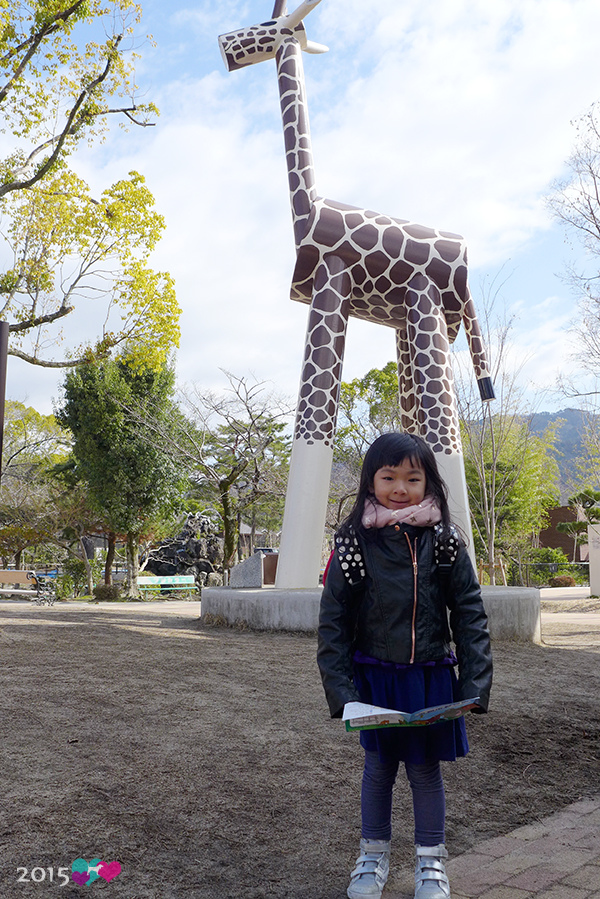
x=203 y=759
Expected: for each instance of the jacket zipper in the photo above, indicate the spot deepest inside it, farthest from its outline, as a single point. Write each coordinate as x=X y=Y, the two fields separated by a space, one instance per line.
x=413 y=555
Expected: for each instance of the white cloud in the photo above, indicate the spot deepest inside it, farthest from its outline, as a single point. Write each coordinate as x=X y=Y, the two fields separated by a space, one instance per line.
x=463 y=119
x=455 y=114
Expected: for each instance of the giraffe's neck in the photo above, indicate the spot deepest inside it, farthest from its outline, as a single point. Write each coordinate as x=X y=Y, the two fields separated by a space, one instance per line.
x=296 y=133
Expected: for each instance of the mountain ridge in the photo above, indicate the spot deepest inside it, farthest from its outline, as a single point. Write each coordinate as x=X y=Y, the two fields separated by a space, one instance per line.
x=569 y=442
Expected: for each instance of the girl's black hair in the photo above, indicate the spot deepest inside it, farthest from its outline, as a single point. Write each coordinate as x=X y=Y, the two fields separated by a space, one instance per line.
x=391 y=450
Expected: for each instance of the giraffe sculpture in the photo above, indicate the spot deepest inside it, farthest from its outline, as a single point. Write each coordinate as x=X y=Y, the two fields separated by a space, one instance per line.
x=352 y=261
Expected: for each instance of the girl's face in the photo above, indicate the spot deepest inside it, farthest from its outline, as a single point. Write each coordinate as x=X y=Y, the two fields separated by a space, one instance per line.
x=400 y=486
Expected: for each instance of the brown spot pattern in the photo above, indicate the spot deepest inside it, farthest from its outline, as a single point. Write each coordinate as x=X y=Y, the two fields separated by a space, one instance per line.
x=353 y=261
x=325 y=340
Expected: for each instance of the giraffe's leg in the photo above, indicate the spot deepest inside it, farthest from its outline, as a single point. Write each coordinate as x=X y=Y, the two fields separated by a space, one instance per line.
x=434 y=389
x=409 y=409
x=473 y=335
x=301 y=543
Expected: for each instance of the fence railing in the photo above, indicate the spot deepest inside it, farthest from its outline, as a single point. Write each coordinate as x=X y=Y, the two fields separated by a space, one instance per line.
x=514 y=573
x=539 y=574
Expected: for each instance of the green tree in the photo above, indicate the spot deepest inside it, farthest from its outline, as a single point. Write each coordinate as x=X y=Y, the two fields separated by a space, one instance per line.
x=66 y=247
x=368 y=407
x=57 y=87
x=33 y=443
x=235 y=448
x=238 y=449
x=512 y=476
x=586 y=506
x=131 y=481
x=74 y=522
x=31 y=440
x=511 y=480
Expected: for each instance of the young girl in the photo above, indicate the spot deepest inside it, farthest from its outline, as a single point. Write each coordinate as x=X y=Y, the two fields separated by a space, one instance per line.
x=384 y=639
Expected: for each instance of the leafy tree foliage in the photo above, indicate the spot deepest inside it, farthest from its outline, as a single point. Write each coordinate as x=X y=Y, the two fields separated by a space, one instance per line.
x=131 y=482
x=68 y=248
x=31 y=440
x=235 y=448
x=238 y=448
x=586 y=505
x=74 y=520
x=56 y=93
x=511 y=480
x=368 y=407
x=512 y=476
x=33 y=443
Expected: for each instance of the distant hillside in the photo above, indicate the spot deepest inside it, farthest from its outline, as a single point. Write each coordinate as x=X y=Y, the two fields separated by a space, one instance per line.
x=569 y=440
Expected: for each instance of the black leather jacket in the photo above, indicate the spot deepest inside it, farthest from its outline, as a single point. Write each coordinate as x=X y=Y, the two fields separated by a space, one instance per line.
x=399 y=613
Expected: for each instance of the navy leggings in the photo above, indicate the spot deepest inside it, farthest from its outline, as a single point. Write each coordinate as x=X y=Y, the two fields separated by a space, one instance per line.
x=429 y=802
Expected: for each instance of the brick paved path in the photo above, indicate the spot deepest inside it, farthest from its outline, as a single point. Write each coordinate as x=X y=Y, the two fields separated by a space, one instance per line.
x=558 y=858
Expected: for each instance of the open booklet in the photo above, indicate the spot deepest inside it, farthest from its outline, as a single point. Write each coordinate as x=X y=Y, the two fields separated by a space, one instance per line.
x=361 y=716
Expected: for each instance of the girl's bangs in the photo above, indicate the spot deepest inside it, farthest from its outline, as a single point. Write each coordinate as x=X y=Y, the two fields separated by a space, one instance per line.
x=398 y=458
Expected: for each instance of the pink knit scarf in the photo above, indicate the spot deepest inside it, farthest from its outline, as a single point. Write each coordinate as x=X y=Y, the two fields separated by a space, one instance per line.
x=377 y=516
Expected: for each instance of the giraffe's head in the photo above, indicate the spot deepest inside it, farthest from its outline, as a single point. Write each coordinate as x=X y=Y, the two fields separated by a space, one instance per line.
x=249 y=45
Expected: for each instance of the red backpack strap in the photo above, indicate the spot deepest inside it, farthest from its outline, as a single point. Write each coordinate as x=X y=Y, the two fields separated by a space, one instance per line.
x=327 y=566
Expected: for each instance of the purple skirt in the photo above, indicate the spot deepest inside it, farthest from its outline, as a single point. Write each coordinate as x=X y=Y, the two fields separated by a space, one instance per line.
x=409 y=688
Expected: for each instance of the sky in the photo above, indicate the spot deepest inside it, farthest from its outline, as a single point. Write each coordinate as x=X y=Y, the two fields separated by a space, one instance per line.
x=457 y=114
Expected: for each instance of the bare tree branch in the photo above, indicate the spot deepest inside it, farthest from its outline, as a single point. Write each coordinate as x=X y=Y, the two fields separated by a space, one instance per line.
x=74 y=123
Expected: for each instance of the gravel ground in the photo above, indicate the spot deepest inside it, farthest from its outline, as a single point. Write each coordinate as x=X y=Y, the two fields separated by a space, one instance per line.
x=203 y=759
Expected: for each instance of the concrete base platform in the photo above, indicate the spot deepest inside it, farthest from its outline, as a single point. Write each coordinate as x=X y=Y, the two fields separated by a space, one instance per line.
x=565 y=592
x=264 y=609
x=513 y=612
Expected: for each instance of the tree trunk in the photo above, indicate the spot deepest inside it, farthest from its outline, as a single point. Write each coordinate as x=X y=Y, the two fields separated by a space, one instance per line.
x=253 y=531
x=491 y=566
x=502 y=571
x=229 y=527
x=110 y=558
x=132 y=590
x=18 y=556
x=88 y=568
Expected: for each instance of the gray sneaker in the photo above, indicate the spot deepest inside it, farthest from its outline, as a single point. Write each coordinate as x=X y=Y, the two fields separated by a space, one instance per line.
x=431 y=881
x=371 y=872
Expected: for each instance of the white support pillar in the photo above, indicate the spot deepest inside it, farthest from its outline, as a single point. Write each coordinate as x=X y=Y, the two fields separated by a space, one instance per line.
x=452 y=469
x=312 y=450
x=301 y=543
x=594 y=557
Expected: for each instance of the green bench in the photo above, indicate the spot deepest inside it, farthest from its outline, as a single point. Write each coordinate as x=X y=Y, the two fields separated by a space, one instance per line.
x=175 y=583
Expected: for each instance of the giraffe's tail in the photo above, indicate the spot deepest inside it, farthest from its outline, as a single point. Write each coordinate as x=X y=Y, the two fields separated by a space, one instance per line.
x=478 y=355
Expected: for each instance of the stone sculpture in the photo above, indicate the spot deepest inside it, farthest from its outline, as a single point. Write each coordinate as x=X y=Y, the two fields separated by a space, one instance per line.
x=195 y=550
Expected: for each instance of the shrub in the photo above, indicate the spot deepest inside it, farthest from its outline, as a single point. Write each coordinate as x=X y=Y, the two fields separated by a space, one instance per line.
x=107 y=593
x=562 y=580
x=546 y=554
x=64 y=586
x=74 y=570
